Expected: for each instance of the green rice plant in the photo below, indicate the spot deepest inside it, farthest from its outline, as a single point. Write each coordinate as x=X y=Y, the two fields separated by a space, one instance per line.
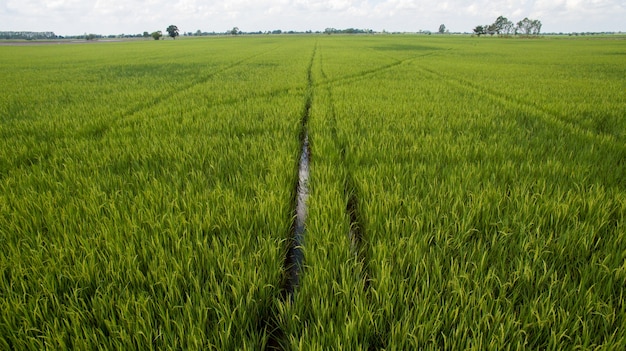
x=464 y=193
x=154 y=221
x=474 y=212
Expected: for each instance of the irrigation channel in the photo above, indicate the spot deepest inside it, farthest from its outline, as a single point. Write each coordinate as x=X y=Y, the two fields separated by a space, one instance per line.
x=294 y=258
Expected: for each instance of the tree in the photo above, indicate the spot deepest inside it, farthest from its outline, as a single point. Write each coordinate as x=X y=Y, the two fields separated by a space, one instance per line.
x=507 y=27
x=157 y=35
x=529 y=27
x=442 y=29
x=235 y=31
x=503 y=25
x=479 y=30
x=536 y=27
x=525 y=26
x=172 y=30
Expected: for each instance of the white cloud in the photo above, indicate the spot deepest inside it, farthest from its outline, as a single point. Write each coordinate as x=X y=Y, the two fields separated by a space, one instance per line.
x=136 y=16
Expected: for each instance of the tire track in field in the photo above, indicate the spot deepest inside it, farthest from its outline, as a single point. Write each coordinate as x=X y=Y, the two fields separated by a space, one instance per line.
x=549 y=119
x=294 y=259
x=552 y=119
x=261 y=95
x=356 y=233
x=125 y=116
x=293 y=263
x=362 y=75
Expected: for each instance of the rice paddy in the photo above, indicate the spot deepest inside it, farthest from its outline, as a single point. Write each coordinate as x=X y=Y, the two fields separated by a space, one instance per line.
x=463 y=193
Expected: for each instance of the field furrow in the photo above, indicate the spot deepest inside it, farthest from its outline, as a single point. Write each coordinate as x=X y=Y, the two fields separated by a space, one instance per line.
x=555 y=120
x=202 y=76
x=294 y=259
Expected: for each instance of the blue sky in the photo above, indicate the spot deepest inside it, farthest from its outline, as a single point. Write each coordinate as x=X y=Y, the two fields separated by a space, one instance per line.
x=69 y=17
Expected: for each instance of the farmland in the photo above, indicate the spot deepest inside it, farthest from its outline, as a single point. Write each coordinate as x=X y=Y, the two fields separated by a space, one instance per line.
x=463 y=193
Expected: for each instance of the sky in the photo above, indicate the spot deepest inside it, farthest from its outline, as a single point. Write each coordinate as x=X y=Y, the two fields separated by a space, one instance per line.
x=75 y=17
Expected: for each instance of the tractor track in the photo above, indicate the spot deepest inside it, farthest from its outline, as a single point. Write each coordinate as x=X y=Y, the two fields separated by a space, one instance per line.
x=356 y=232
x=293 y=263
x=352 y=78
x=552 y=119
x=125 y=116
x=294 y=259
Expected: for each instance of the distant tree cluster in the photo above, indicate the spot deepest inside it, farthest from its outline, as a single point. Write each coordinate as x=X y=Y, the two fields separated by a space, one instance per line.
x=27 y=35
x=504 y=27
x=234 y=31
x=347 y=31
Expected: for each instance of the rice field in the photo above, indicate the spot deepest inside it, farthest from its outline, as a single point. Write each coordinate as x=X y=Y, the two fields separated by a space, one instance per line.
x=464 y=193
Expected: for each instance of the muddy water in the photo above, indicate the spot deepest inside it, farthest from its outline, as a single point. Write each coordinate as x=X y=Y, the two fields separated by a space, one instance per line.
x=295 y=256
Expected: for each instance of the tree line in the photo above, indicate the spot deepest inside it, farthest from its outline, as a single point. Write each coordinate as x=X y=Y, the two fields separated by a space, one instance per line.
x=27 y=35
x=503 y=26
